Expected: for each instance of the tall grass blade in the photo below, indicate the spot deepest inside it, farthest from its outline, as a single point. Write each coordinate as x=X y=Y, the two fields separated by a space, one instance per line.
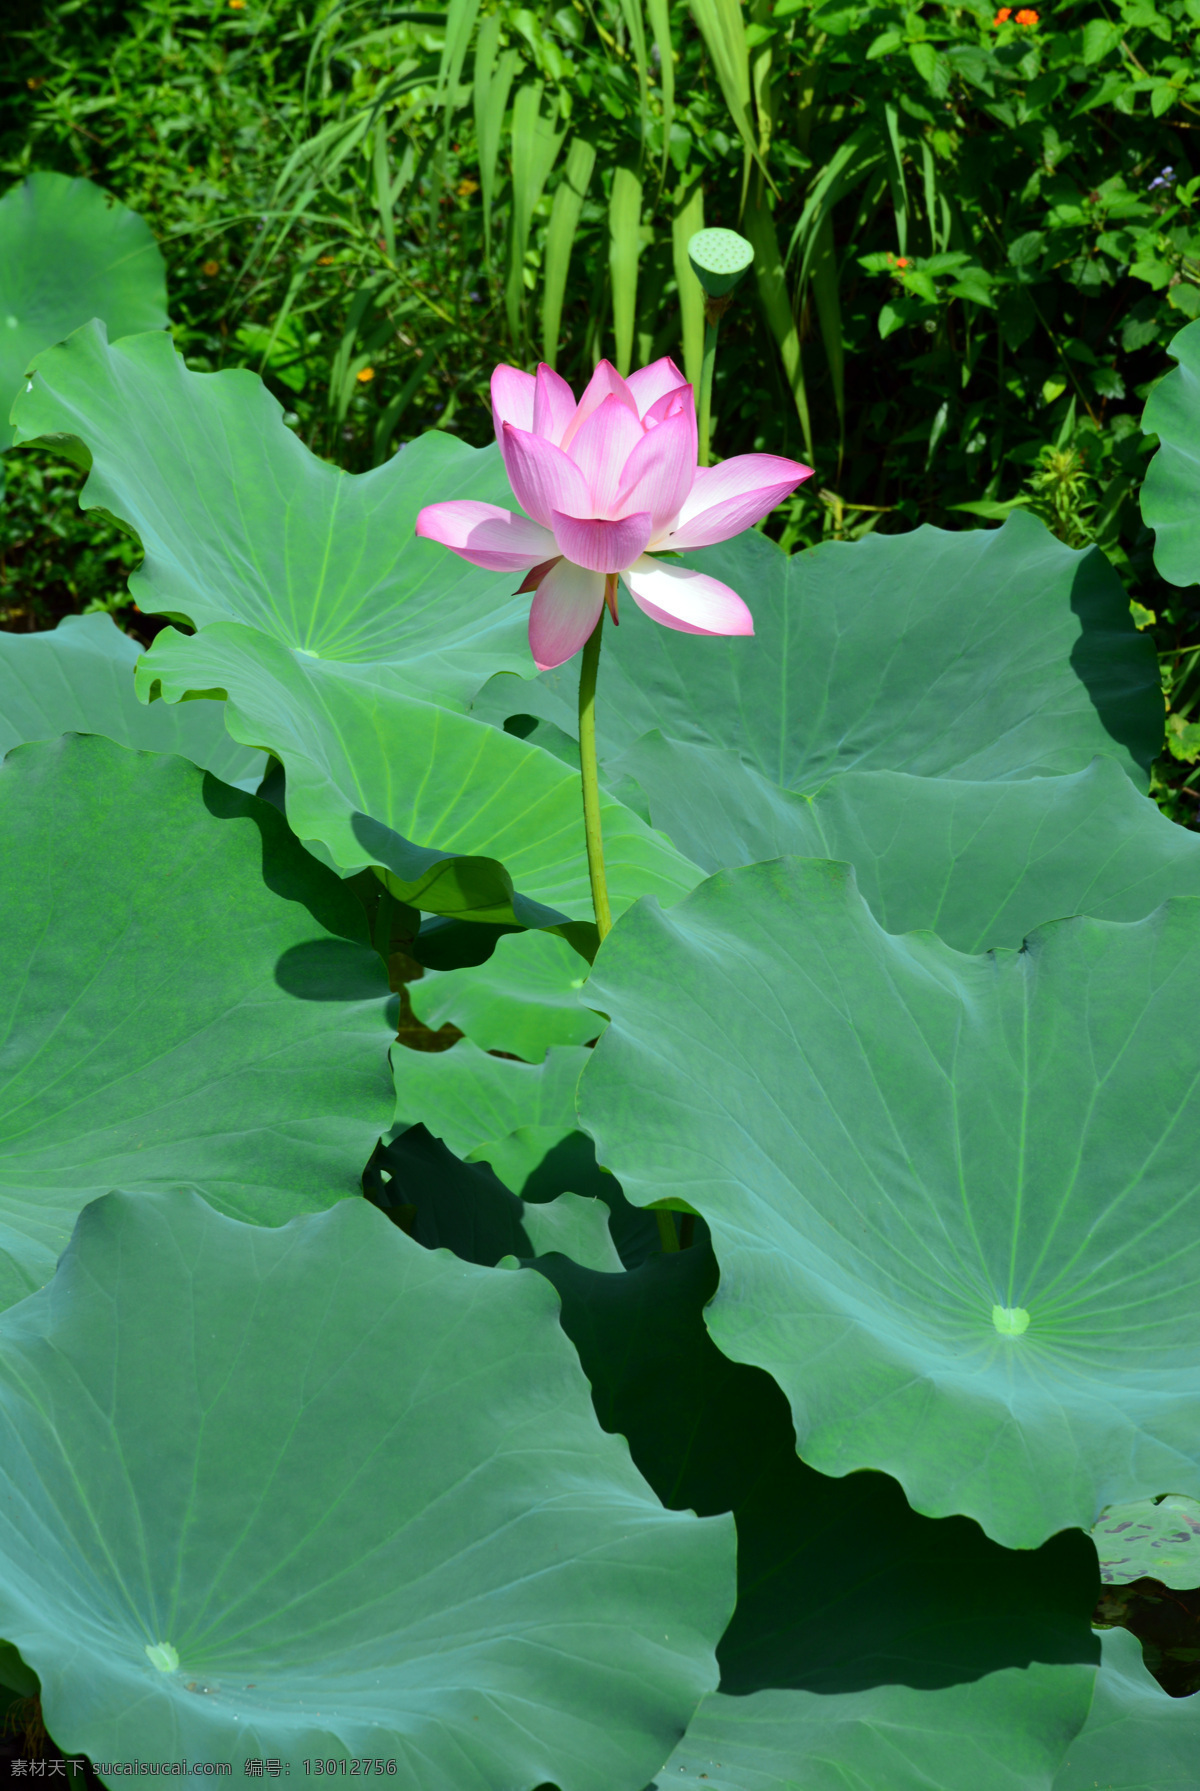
x=660 y=24
x=631 y=12
x=720 y=25
x=688 y=217
x=460 y=23
x=829 y=318
x=493 y=84
x=896 y=177
x=560 y=237
x=382 y=173
x=759 y=226
x=624 y=250
x=535 y=146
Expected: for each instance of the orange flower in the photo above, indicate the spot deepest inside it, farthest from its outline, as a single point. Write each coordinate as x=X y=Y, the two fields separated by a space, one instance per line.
x=324 y=260
x=902 y=261
x=211 y=269
x=1027 y=16
x=365 y=375
x=1003 y=16
x=237 y=5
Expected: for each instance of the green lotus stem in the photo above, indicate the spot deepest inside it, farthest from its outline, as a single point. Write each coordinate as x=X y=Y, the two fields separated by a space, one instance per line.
x=668 y=1237
x=587 y=763
x=712 y=323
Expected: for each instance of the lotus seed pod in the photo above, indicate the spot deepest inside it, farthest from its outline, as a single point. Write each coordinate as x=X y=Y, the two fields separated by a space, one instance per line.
x=719 y=258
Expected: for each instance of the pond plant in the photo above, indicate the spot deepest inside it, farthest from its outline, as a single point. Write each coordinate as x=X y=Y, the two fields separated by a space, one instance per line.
x=735 y=1347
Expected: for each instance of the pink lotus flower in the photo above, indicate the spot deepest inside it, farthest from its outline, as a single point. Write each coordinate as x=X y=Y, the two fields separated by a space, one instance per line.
x=606 y=484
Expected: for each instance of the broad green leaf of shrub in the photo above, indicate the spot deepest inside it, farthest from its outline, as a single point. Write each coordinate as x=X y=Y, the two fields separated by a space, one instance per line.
x=954 y=1199
x=78 y=678
x=980 y=864
x=466 y=819
x=68 y=253
x=993 y=653
x=870 y=1646
x=527 y=997
x=1173 y=477
x=1136 y=1738
x=1150 y=1538
x=242 y=523
x=188 y=998
x=315 y=1491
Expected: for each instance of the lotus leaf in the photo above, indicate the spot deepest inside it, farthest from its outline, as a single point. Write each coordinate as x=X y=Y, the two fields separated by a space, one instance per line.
x=980 y=864
x=69 y=253
x=870 y=1646
x=1150 y=1538
x=525 y=998
x=954 y=1198
x=470 y=1099
x=456 y=811
x=995 y=653
x=78 y=678
x=318 y=1492
x=242 y=523
x=189 y=998
x=1135 y=1737
x=1169 y=493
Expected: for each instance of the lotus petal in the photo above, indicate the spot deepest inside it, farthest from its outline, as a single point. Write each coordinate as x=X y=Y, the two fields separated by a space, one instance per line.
x=543 y=478
x=600 y=545
x=731 y=497
x=486 y=535
x=512 y=399
x=691 y=602
x=659 y=472
x=565 y=610
x=553 y=405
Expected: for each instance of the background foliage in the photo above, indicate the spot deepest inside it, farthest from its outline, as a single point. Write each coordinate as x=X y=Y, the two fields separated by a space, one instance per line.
x=974 y=237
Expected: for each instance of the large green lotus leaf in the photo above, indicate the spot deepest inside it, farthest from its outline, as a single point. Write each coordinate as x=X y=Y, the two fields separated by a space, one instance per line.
x=471 y=1099
x=980 y=864
x=1150 y=1539
x=69 y=253
x=954 y=1199
x=241 y=522
x=525 y=998
x=1173 y=476
x=1136 y=1738
x=319 y=1492
x=187 y=998
x=78 y=678
x=870 y=1646
x=989 y=653
x=457 y=812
